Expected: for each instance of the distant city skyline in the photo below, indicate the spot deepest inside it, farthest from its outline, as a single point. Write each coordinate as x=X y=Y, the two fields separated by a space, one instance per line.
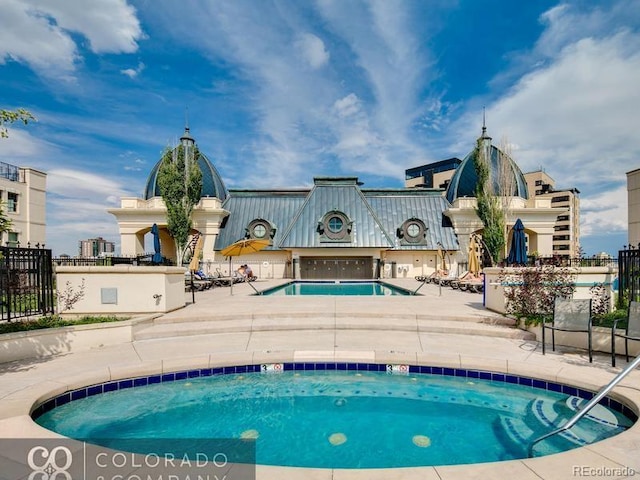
x=279 y=92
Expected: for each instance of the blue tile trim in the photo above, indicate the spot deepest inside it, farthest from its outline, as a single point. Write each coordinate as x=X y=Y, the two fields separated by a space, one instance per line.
x=112 y=386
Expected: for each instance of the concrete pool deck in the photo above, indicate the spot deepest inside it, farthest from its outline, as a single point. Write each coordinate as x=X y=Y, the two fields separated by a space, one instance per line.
x=447 y=328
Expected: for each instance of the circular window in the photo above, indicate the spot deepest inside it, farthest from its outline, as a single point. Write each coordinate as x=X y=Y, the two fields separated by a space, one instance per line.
x=259 y=231
x=335 y=224
x=413 y=230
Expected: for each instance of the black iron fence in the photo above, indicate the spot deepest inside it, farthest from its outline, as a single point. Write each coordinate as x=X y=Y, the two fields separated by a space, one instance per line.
x=26 y=282
x=573 y=262
x=145 y=259
x=628 y=275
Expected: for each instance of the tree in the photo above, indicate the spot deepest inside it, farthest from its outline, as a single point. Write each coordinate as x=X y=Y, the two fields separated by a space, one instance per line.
x=5 y=221
x=180 y=181
x=10 y=116
x=489 y=206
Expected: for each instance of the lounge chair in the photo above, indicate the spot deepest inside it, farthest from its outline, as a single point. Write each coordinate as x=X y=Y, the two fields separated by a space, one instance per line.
x=197 y=281
x=472 y=283
x=569 y=315
x=632 y=332
x=448 y=279
x=455 y=283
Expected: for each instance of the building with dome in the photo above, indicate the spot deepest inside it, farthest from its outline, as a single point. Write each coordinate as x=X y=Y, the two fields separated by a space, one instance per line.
x=532 y=195
x=337 y=228
x=136 y=216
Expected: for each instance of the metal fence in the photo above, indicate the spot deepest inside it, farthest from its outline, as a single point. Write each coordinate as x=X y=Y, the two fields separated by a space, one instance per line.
x=573 y=262
x=628 y=276
x=145 y=259
x=26 y=282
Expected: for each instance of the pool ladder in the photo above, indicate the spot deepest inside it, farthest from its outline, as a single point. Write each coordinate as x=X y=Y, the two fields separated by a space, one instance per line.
x=592 y=403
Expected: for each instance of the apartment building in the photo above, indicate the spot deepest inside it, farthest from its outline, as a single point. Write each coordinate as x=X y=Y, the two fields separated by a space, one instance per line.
x=432 y=175
x=96 y=247
x=23 y=197
x=633 y=203
x=566 y=236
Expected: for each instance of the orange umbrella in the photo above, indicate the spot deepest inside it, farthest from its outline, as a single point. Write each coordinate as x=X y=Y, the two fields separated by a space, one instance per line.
x=242 y=247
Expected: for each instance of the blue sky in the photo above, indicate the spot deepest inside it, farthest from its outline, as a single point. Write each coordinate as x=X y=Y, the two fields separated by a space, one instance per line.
x=280 y=91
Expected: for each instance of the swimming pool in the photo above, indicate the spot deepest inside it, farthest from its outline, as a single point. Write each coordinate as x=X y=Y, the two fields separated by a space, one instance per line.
x=339 y=415
x=337 y=287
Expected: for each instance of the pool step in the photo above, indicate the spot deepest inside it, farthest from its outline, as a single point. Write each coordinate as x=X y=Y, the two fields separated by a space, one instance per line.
x=214 y=325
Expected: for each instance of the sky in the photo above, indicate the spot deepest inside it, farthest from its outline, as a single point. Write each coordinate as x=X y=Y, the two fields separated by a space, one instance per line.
x=277 y=92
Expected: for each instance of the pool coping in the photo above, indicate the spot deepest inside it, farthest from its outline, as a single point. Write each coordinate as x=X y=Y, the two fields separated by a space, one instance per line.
x=611 y=455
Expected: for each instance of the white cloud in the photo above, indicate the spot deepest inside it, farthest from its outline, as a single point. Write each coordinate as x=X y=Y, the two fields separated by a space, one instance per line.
x=576 y=112
x=313 y=50
x=347 y=106
x=604 y=212
x=133 y=72
x=37 y=32
x=82 y=185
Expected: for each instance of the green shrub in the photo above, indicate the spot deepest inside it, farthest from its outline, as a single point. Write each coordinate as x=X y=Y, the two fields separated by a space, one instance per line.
x=54 y=321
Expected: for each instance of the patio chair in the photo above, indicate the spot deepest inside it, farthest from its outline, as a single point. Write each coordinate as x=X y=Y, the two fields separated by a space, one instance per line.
x=632 y=332
x=448 y=279
x=472 y=284
x=569 y=315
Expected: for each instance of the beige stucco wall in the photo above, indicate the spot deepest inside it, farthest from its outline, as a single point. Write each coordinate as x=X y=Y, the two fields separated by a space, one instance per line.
x=136 y=216
x=135 y=290
x=585 y=278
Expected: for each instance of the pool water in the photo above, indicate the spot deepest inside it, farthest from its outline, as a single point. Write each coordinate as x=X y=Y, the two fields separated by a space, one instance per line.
x=336 y=288
x=339 y=419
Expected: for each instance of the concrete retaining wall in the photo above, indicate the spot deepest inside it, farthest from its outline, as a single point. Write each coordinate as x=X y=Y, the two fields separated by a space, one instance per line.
x=123 y=289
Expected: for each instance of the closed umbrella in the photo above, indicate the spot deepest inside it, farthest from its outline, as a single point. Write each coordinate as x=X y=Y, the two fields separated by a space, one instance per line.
x=518 y=250
x=243 y=247
x=194 y=265
x=157 y=256
x=474 y=264
x=441 y=256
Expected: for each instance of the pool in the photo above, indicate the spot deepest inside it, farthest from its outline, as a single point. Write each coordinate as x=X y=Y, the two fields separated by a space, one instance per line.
x=337 y=287
x=339 y=415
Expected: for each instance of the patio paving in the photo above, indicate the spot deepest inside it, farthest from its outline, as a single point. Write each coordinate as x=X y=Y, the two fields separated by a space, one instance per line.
x=441 y=327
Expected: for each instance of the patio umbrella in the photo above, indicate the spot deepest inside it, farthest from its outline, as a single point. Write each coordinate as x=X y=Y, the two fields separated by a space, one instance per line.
x=157 y=256
x=242 y=247
x=518 y=250
x=474 y=264
x=441 y=256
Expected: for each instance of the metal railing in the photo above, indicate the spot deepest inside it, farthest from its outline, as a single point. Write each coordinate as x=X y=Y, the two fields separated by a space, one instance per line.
x=592 y=403
x=26 y=282
x=629 y=275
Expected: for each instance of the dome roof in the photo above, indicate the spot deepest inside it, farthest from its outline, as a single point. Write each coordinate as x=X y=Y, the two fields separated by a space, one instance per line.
x=212 y=184
x=464 y=180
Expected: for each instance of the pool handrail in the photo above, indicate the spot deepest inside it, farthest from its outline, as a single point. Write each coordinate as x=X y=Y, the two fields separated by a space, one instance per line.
x=604 y=391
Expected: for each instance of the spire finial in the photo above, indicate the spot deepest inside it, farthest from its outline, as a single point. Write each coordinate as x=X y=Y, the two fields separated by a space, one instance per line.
x=484 y=123
x=186 y=119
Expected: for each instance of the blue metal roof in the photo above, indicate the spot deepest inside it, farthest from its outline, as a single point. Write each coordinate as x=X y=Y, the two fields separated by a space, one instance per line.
x=276 y=206
x=376 y=215
x=340 y=194
x=394 y=207
x=464 y=180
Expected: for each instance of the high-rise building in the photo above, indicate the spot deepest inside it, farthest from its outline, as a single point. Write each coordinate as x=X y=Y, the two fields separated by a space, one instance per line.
x=96 y=247
x=566 y=236
x=633 y=203
x=22 y=195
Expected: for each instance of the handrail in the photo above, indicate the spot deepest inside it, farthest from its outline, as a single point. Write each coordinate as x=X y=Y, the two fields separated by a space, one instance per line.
x=592 y=403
